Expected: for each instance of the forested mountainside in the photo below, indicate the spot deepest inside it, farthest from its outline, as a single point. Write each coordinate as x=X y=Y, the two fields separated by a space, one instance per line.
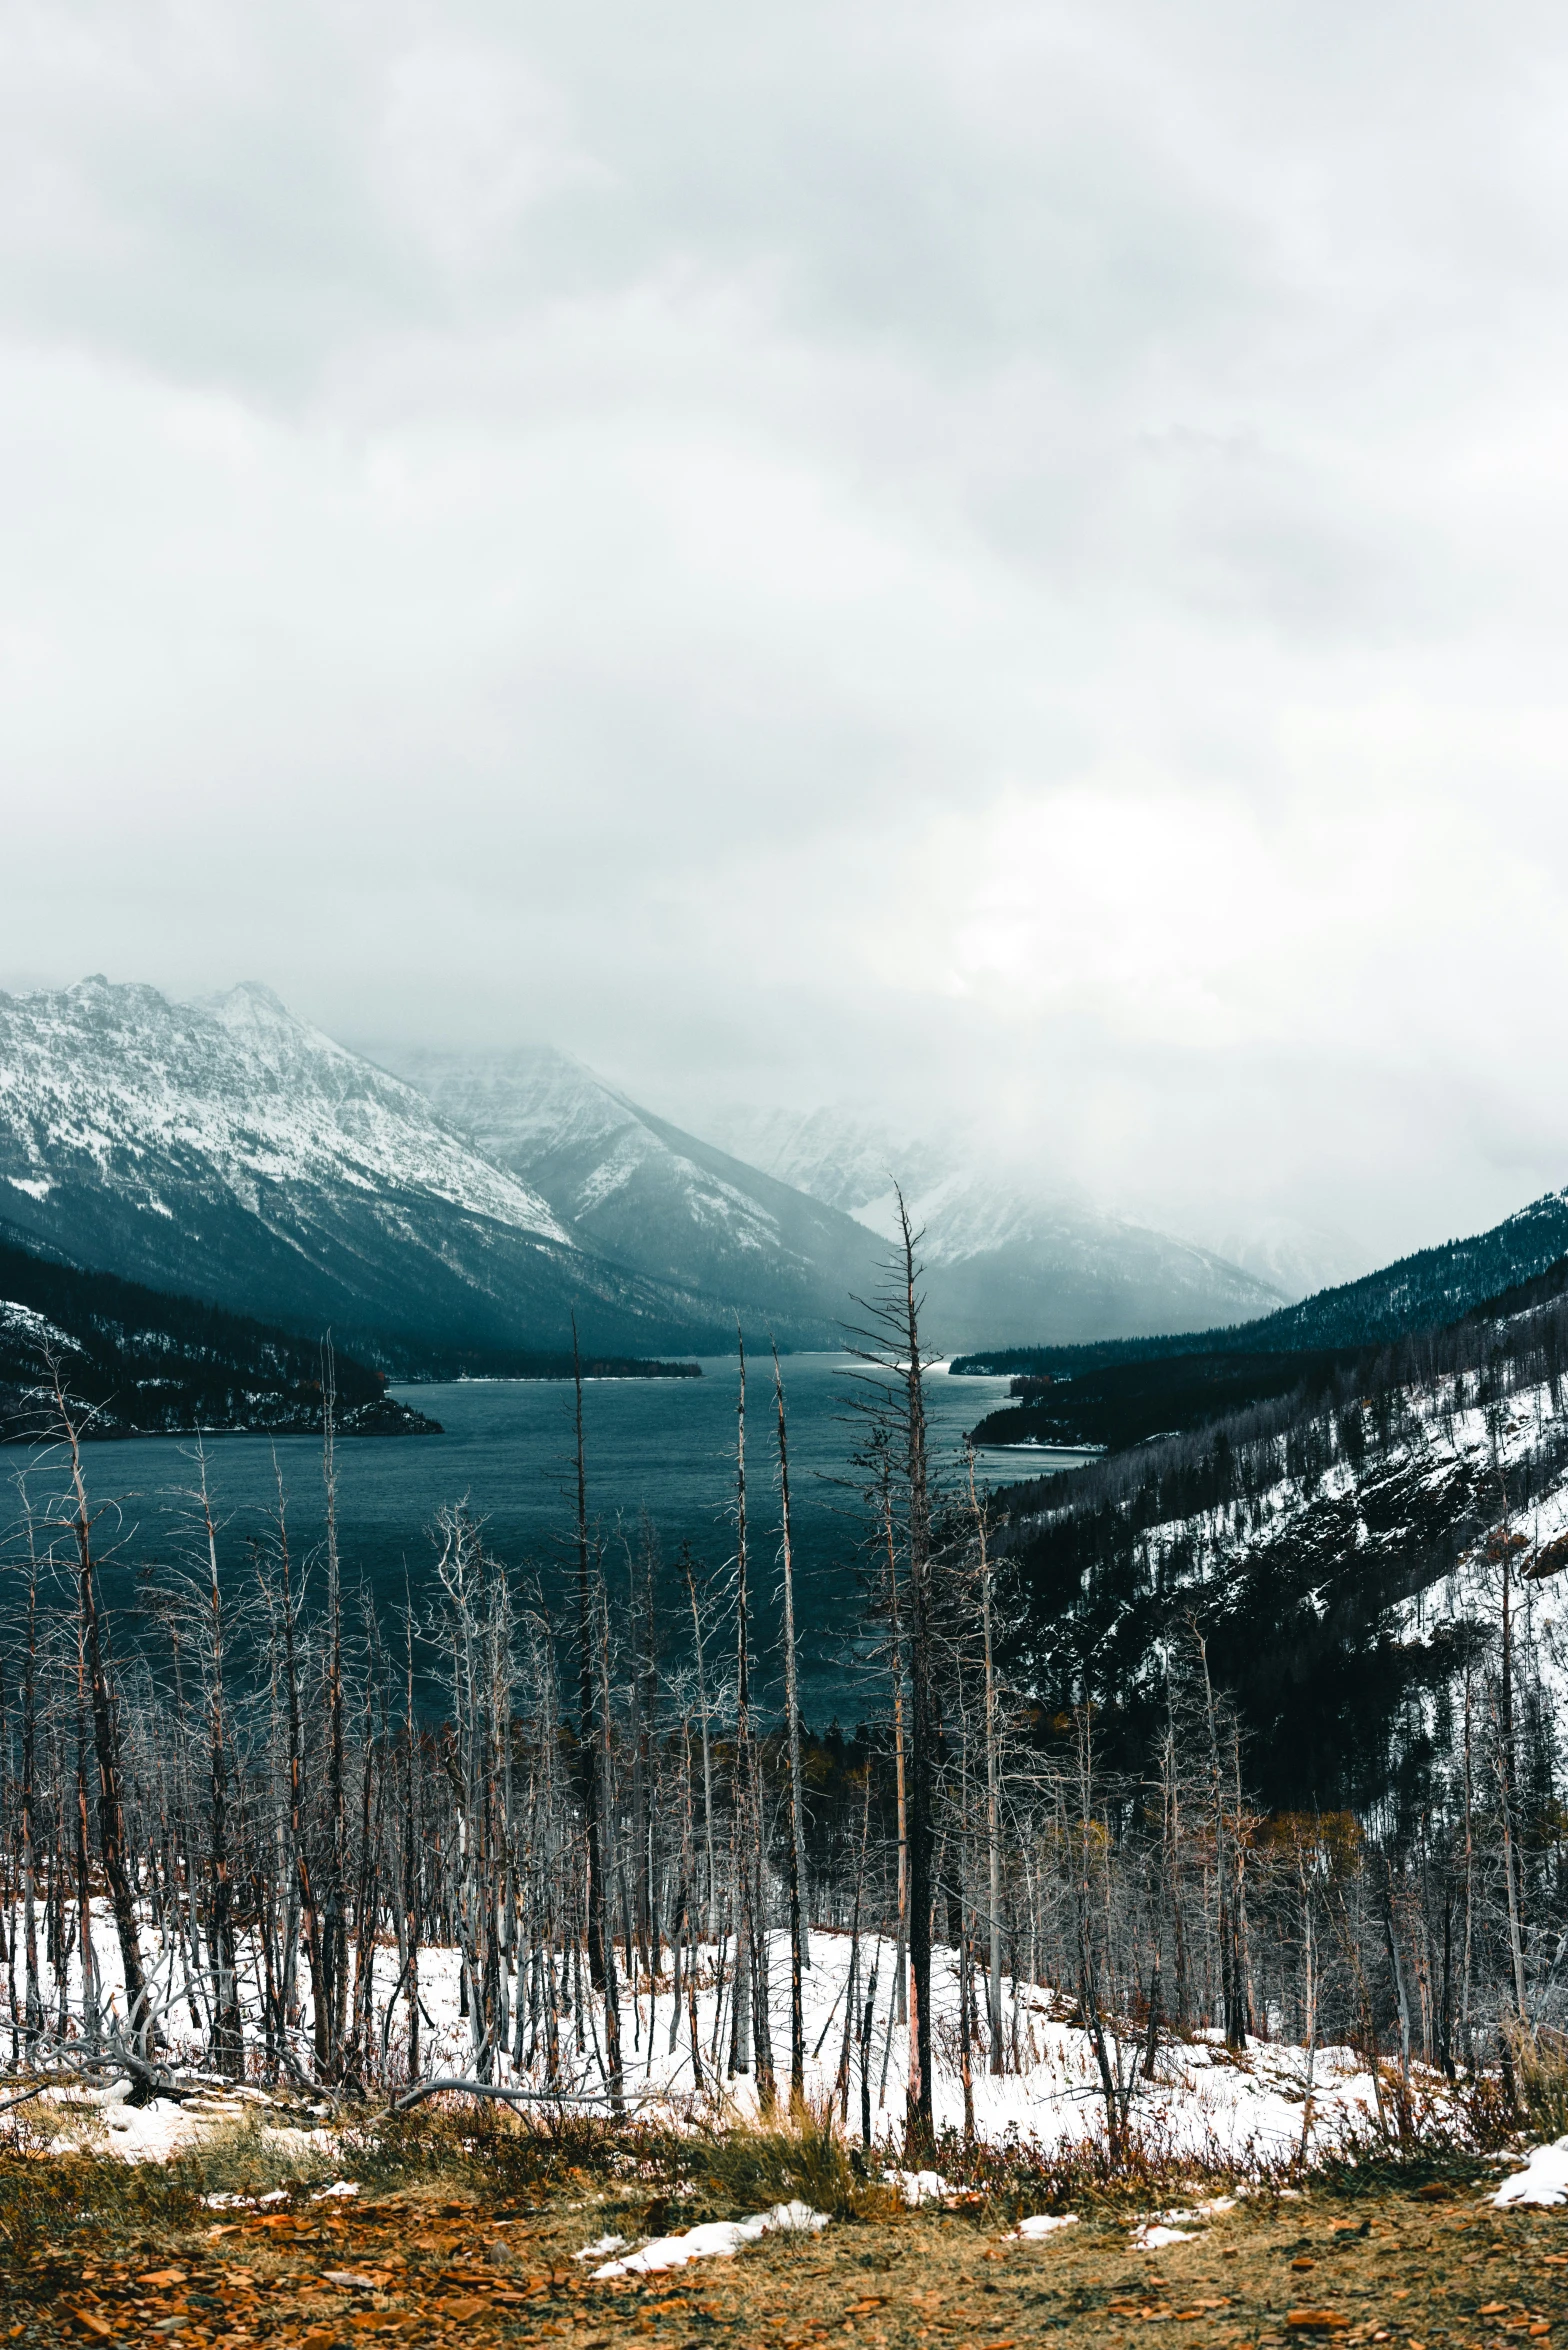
x=142 y=1363
x=1340 y=1553
x=1419 y=1292
x=230 y=1151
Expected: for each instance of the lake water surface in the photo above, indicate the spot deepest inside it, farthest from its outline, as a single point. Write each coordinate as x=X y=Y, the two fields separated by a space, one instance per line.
x=664 y=1446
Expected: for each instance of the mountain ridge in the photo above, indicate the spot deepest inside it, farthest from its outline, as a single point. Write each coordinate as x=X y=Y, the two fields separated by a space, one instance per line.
x=642 y=1190
x=231 y=1151
x=1423 y=1290
x=999 y=1257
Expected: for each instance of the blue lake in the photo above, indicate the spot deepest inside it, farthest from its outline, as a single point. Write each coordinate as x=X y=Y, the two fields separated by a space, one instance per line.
x=664 y=1447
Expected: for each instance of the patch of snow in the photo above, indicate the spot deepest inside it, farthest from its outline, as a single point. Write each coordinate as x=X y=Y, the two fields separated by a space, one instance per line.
x=1544 y=2178
x=1048 y=2097
x=1152 y=2237
x=918 y=2186
x=598 y=2249
x=714 y=2239
x=26 y=1322
x=1044 y=2223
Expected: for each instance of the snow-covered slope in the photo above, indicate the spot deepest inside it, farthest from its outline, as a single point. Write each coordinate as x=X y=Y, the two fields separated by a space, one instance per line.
x=1341 y=1553
x=230 y=1150
x=627 y=1182
x=1005 y=1266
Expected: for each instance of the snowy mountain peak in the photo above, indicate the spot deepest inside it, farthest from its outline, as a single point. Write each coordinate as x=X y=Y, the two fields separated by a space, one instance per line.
x=232 y=1151
x=252 y=1004
x=100 y=1073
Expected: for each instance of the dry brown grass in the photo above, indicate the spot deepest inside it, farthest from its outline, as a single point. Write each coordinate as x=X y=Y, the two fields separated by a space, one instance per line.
x=467 y=2230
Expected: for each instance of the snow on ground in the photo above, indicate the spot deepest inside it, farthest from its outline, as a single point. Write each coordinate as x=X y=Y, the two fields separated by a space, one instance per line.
x=1544 y=2178
x=715 y=2238
x=1204 y=2100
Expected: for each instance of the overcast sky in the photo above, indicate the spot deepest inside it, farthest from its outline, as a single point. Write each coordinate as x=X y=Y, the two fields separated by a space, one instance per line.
x=1007 y=560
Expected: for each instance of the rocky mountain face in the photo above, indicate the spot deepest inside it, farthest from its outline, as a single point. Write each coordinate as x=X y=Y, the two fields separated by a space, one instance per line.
x=642 y=1192
x=1004 y=1266
x=232 y=1152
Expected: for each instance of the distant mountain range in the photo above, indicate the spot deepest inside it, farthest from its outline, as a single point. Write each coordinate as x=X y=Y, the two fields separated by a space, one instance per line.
x=459 y=1213
x=794 y=1216
x=1000 y=1257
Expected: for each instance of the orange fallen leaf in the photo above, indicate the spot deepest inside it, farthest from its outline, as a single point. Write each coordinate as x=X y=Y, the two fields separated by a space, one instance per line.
x=93 y=2322
x=1315 y=2320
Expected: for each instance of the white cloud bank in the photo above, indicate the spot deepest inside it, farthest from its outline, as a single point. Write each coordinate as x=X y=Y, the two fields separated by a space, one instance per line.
x=1007 y=558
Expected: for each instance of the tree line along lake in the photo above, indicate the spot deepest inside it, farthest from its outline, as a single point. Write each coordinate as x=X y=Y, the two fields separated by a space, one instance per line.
x=657 y=1449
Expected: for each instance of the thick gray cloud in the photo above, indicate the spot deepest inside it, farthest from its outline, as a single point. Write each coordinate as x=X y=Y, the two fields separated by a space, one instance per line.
x=1005 y=560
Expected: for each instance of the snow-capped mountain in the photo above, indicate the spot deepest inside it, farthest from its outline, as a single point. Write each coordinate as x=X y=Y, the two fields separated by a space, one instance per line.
x=643 y=1192
x=1004 y=1266
x=794 y=1239
x=230 y=1150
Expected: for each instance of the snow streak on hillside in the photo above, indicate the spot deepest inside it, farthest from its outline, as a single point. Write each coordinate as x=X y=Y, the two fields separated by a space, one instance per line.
x=1394 y=1541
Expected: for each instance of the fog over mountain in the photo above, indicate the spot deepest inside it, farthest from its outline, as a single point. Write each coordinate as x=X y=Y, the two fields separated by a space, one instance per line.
x=1000 y=1252
x=229 y=1150
x=792 y=1211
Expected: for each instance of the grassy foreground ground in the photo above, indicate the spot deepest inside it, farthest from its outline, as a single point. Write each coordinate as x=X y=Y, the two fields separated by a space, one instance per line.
x=472 y=2239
